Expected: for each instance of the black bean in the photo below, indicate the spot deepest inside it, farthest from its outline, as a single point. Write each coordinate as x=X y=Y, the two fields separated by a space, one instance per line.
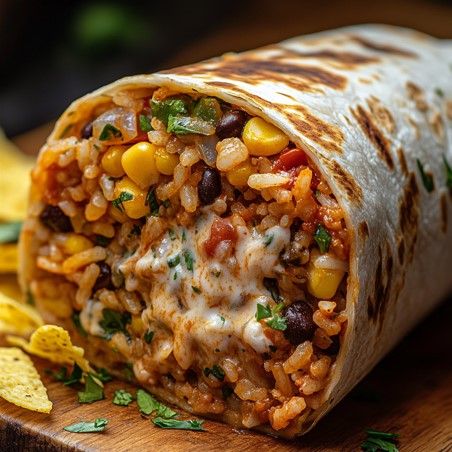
x=54 y=218
x=333 y=349
x=300 y=326
x=103 y=281
x=209 y=187
x=231 y=124
x=87 y=130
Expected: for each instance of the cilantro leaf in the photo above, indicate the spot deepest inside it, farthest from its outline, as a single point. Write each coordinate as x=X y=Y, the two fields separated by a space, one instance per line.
x=172 y=234
x=148 y=404
x=9 y=232
x=176 y=424
x=173 y=261
x=103 y=375
x=97 y=425
x=380 y=441
x=208 y=109
x=78 y=324
x=123 y=197
x=427 y=178
x=92 y=392
x=322 y=238
x=277 y=323
x=216 y=371
x=108 y=132
x=268 y=239
x=188 y=257
x=196 y=289
x=148 y=336
x=145 y=123
x=114 y=322
x=151 y=201
x=448 y=173
x=30 y=298
x=59 y=375
x=75 y=376
x=128 y=372
x=122 y=398
x=263 y=311
x=185 y=125
x=169 y=106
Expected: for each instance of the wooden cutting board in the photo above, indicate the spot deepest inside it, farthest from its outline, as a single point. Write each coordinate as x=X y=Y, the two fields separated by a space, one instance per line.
x=409 y=393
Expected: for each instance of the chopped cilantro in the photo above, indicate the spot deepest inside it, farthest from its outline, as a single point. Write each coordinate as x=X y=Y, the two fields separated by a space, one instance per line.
x=222 y=319
x=75 y=376
x=427 y=178
x=271 y=284
x=101 y=240
x=185 y=125
x=122 y=398
x=78 y=324
x=439 y=92
x=380 y=441
x=268 y=239
x=216 y=371
x=274 y=321
x=188 y=257
x=151 y=201
x=196 y=289
x=92 y=392
x=176 y=424
x=108 y=132
x=323 y=238
x=169 y=106
x=448 y=173
x=208 y=109
x=59 y=375
x=148 y=336
x=9 y=232
x=123 y=197
x=114 y=322
x=175 y=276
x=172 y=234
x=88 y=427
x=173 y=261
x=263 y=312
x=145 y=123
x=184 y=235
x=103 y=375
x=148 y=404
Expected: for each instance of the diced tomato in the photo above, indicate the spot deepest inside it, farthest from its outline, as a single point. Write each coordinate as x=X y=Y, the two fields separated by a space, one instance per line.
x=289 y=159
x=221 y=230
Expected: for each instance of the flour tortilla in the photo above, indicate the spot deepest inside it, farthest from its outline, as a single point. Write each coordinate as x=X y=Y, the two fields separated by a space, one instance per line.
x=366 y=102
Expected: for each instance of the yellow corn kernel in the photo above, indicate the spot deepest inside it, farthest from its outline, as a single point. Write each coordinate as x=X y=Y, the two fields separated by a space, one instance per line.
x=139 y=164
x=262 y=138
x=239 y=175
x=165 y=161
x=134 y=208
x=76 y=243
x=322 y=282
x=137 y=325
x=111 y=161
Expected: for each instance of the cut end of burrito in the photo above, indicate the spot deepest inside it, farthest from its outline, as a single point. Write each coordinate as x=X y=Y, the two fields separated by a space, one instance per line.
x=192 y=245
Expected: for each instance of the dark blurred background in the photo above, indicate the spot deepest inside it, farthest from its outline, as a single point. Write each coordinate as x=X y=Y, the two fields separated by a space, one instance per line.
x=51 y=52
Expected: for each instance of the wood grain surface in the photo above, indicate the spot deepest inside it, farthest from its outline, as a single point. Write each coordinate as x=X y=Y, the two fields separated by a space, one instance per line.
x=409 y=393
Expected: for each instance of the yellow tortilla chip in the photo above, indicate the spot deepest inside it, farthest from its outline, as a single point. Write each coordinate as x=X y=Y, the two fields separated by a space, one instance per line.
x=20 y=382
x=53 y=343
x=17 y=318
x=10 y=286
x=8 y=257
x=14 y=182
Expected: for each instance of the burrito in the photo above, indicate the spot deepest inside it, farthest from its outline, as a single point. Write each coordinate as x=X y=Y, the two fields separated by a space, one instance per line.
x=246 y=237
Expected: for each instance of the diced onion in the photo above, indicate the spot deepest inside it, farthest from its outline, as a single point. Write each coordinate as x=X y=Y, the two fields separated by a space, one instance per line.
x=207 y=149
x=329 y=262
x=121 y=119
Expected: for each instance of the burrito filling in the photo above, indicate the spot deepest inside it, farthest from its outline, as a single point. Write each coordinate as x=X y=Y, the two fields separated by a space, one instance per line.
x=194 y=245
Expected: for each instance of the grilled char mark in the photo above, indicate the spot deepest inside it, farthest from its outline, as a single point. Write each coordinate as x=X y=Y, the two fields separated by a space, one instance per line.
x=363 y=230
x=402 y=161
x=307 y=78
x=383 y=48
x=378 y=301
x=374 y=134
x=443 y=205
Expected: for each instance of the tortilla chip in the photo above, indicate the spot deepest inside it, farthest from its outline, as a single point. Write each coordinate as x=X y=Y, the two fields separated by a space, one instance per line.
x=8 y=257
x=20 y=382
x=53 y=343
x=18 y=318
x=15 y=181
